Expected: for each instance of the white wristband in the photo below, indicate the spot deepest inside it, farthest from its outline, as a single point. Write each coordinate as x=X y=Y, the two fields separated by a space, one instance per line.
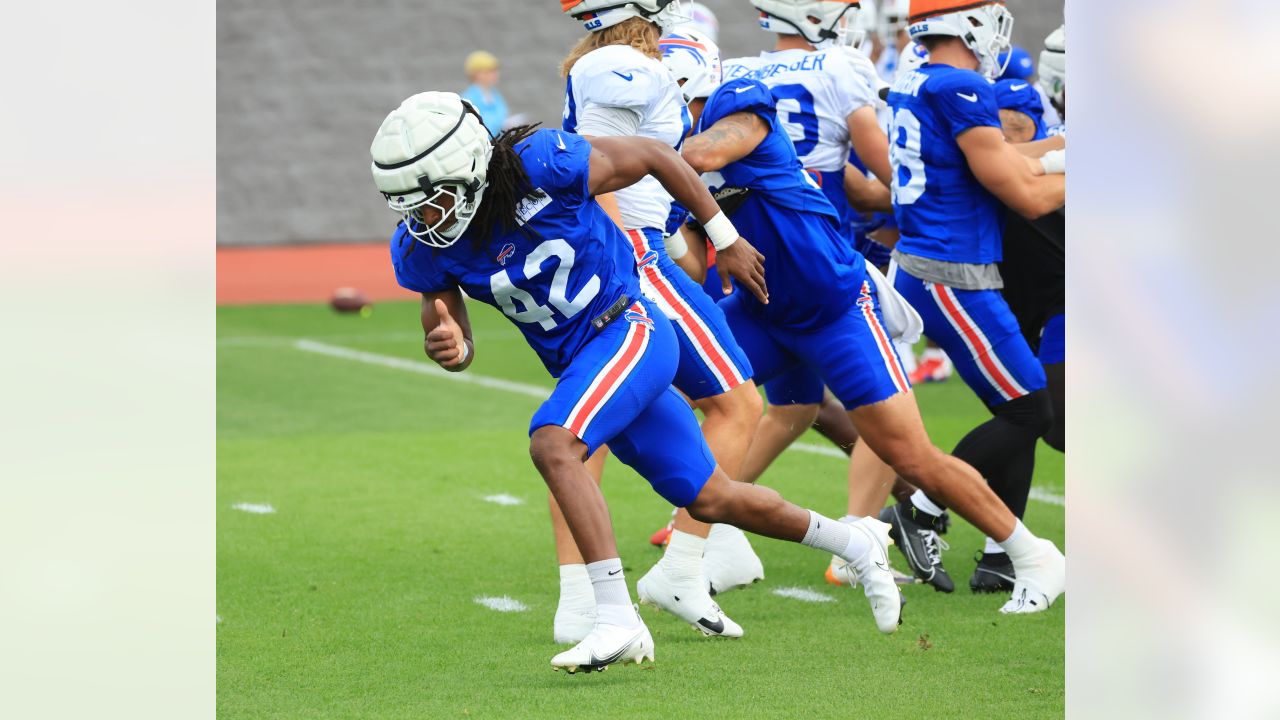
x=720 y=231
x=677 y=247
x=1054 y=162
x=466 y=351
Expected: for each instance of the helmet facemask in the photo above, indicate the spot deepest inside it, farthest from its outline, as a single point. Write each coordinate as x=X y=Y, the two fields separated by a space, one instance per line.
x=454 y=217
x=989 y=36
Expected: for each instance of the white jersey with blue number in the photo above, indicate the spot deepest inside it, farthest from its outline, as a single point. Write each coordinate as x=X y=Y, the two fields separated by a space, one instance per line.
x=619 y=76
x=816 y=91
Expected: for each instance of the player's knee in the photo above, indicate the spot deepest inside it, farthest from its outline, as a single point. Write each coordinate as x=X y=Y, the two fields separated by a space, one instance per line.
x=1033 y=411
x=741 y=406
x=552 y=449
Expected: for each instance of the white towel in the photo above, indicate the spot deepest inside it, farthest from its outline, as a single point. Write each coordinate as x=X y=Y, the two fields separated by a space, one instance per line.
x=900 y=319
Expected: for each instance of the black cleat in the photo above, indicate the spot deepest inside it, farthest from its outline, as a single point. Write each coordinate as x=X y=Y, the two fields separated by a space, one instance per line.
x=994 y=574
x=916 y=535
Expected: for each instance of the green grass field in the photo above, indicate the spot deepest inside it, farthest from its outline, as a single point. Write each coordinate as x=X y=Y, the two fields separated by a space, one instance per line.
x=356 y=598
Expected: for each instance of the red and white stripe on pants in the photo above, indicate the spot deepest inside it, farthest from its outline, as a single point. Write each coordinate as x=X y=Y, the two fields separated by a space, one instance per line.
x=612 y=376
x=891 y=361
x=658 y=288
x=979 y=346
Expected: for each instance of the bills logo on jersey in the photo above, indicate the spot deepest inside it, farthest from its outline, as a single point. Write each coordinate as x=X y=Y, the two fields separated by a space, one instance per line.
x=507 y=251
x=648 y=258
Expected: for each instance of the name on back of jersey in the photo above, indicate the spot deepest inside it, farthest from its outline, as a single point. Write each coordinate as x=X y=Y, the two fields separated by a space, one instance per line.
x=808 y=62
x=909 y=84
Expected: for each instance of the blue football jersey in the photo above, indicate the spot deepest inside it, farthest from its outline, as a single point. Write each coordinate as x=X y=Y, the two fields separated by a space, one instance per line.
x=565 y=264
x=943 y=212
x=1021 y=95
x=811 y=268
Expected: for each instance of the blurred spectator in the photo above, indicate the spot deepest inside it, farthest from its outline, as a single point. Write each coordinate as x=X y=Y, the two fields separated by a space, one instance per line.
x=482 y=73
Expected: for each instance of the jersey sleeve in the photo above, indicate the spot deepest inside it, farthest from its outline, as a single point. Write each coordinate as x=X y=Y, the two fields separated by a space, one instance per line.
x=559 y=163
x=1018 y=95
x=735 y=96
x=965 y=100
x=415 y=267
x=851 y=91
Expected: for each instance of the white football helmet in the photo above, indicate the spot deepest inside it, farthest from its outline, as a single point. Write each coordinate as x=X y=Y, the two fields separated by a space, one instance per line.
x=986 y=29
x=694 y=59
x=913 y=56
x=431 y=147
x=600 y=14
x=819 y=22
x=702 y=20
x=893 y=17
x=1053 y=66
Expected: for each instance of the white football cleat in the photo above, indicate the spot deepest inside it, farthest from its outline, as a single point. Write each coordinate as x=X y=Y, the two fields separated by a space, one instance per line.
x=1038 y=581
x=874 y=575
x=573 y=624
x=688 y=600
x=728 y=560
x=606 y=645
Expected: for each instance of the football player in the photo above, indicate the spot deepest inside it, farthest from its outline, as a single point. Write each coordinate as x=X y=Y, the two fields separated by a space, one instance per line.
x=513 y=222
x=824 y=311
x=1052 y=83
x=616 y=86
x=954 y=173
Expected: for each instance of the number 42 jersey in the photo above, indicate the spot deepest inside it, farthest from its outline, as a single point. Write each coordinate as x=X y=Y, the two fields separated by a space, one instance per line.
x=563 y=266
x=943 y=212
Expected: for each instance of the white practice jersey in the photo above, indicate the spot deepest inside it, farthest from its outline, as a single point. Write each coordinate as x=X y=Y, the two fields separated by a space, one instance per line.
x=816 y=91
x=621 y=82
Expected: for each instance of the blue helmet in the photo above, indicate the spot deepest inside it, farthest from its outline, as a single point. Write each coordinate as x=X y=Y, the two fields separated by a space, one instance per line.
x=1019 y=66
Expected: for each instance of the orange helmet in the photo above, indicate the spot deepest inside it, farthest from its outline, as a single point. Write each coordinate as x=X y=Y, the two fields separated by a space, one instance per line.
x=985 y=27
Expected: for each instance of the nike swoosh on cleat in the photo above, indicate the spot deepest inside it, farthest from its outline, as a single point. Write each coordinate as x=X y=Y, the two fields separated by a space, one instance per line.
x=971 y=98
x=716 y=627
x=596 y=662
x=628 y=77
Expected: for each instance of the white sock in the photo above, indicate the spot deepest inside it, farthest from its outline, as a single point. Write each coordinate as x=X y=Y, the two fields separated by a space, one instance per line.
x=1020 y=544
x=613 y=600
x=836 y=538
x=992 y=547
x=924 y=504
x=683 y=558
x=575 y=588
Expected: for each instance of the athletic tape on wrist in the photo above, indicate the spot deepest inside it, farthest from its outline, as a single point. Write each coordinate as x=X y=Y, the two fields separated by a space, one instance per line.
x=466 y=351
x=1054 y=162
x=720 y=231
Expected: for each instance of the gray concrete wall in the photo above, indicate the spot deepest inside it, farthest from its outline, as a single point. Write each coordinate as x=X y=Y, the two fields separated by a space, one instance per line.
x=303 y=84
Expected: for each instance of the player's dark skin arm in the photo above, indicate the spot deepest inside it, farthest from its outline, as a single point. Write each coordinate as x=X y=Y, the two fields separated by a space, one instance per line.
x=447 y=328
x=617 y=162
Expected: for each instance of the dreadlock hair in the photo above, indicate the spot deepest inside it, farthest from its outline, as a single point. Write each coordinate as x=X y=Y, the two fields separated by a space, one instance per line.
x=508 y=185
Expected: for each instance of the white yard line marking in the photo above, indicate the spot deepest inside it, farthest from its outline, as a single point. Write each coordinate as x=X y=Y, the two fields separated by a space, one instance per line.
x=535 y=391
x=1045 y=496
x=819 y=450
x=803 y=594
x=255 y=508
x=421 y=367
x=502 y=604
x=503 y=499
